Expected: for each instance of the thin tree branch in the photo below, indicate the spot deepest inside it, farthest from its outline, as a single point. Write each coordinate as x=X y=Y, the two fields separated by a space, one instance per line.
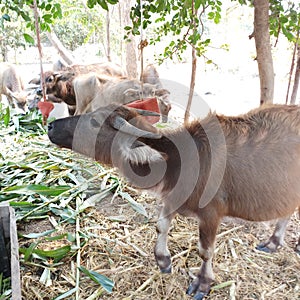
x=292 y=69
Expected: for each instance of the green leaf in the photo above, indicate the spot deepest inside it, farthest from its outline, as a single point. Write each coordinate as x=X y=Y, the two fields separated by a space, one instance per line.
x=25 y=16
x=6 y=116
x=56 y=254
x=283 y=19
x=94 y=199
x=211 y=15
x=164 y=6
x=287 y=33
x=28 y=38
x=223 y=285
x=39 y=234
x=57 y=237
x=217 y=18
x=197 y=3
x=36 y=189
x=8 y=197
x=67 y=213
x=66 y=294
x=71 y=237
x=22 y=204
x=6 y=17
x=102 y=280
x=91 y=3
x=135 y=205
x=48 y=7
x=103 y=4
x=28 y=252
x=46 y=277
x=47 y=18
x=152 y=8
x=112 y=1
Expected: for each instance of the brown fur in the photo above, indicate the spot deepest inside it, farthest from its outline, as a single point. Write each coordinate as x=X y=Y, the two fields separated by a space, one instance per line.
x=124 y=90
x=261 y=145
x=89 y=87
x=93 y=91
x=246 y=167
x=60 y=84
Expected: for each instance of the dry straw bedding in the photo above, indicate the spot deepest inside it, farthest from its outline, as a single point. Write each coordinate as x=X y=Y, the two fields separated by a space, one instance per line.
x=123 y=251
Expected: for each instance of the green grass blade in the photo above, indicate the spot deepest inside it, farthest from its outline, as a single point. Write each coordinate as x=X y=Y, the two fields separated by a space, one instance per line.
x=102 y=280
x=56 y=254
x=66 y=294
x=36 y=189
x=135 y=205
x=38 y=235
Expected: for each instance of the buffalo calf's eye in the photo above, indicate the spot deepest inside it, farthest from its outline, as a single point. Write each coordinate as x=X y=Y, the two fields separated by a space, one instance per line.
x=49 y=79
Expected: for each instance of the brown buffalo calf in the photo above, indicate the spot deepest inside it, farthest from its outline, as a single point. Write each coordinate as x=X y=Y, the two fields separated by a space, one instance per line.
x=246 y=167
x=11 y=85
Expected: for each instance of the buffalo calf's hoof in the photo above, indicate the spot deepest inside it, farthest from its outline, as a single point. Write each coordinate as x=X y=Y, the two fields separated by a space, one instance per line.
x=199 y=288
x=264 y=249
x=270 y=246
x=199 y=296
x=164 y=263
x=166 y=270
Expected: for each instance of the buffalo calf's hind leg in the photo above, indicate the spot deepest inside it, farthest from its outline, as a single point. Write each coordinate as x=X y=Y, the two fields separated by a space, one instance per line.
x=277 y=238
x=298 y=245
x=200 y=286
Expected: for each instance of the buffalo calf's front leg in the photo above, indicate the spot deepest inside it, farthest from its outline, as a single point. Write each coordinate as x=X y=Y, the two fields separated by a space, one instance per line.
x=161 y=251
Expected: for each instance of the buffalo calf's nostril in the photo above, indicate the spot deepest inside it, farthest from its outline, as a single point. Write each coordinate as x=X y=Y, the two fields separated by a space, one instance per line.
x=50 y=126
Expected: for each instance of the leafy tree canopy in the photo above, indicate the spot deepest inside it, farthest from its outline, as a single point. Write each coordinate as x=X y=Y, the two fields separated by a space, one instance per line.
x=183 y=20
x=285 y=19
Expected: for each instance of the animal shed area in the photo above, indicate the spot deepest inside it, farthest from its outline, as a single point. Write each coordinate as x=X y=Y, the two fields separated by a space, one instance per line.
x=110 y=228
x=115 y=227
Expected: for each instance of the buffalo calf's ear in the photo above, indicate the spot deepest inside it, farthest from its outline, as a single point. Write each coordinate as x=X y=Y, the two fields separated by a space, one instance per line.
x=162 y=93
x=35 y=81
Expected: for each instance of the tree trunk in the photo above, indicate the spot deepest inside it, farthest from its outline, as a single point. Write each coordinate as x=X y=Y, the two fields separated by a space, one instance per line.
x=263 y=50
x=291 y=70
x=61 y=49
x=121 y=31
x=108 y=36
x=296 y=80
x=193 y=76
x=4 y=47
x=4 y=53
x=131 y=58
x=192 y=86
